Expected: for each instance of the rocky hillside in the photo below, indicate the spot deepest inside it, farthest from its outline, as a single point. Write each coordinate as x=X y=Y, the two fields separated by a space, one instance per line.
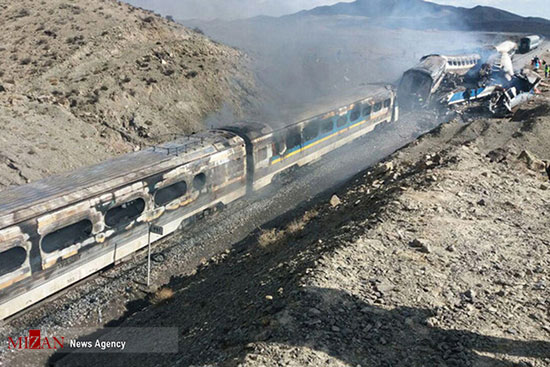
x=84 y=80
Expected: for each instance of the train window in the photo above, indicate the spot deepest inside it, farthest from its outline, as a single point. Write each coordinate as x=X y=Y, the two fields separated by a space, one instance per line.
x=355 y=114
x=67 y=236
x=170 y=193
x=326 y=126
x=342 y=120
x=278 y=145
x=311 y=130
x=199 y=181
x=387 y=103
x=367 y=109
x=293 y=138
x=261 y=155
x=377 y=106
x=124 y=213
x=12 y=259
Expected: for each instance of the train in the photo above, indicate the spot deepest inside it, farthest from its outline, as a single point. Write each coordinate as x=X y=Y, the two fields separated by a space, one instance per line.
x=419 y=83
x=529 y=43
x=60 y=230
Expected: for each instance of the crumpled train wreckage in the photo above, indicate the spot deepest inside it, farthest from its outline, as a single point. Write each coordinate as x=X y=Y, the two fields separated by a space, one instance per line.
x=486 y=77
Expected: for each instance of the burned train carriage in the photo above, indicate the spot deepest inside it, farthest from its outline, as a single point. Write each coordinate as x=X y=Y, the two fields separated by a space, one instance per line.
x=419 y=84
x=57 y=231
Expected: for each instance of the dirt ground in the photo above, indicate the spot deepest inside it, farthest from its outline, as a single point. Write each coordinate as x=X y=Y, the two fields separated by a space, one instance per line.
x=82 y=81
x=437 y=256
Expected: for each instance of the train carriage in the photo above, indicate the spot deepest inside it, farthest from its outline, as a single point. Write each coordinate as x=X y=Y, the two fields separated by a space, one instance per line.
x=302 y=142
x=58 y=231
x=529 y=43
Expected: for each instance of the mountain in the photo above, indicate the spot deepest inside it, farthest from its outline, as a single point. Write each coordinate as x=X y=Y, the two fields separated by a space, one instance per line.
x=419 y=14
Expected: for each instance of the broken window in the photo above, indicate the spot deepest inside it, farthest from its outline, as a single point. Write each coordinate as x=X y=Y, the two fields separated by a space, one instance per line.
x=377 y=106
x=278 y=145
x=293 y=138
x=387 y=103
x=367 y=109
x=67 y=236
x=342 y=120
x=199 y=181
x=170 y=193
x=355 y=114
x=12 y=259
x=326 y=126
x=125 y=213
x=311 y=130
x=262 y=154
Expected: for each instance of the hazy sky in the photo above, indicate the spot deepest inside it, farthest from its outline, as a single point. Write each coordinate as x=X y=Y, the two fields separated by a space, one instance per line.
x=534 y=8
x=228 y=9
x=231 y=9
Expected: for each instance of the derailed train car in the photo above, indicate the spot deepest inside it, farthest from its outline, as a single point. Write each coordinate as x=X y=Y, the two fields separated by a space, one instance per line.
x=57 y=231
x=418 y=85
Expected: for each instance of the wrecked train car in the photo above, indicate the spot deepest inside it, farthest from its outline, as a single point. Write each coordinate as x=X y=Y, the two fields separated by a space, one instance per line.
x=419 y=84
x=521 y=88
x=57 y=231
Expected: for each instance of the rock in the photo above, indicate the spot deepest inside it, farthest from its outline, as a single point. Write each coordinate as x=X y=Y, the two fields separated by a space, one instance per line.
x=481 y=202
x=544 y=187
x=497 y=156
x=335 y=329
x=314 y=311
x=469 y=296
x=269 y=298
x=531 y=161
x=2 y=89
x=421 y=244
x=383 y=168
x=384 y=287
x=335 y=201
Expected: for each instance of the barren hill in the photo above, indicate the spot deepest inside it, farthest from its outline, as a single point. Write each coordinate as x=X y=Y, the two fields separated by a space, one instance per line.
x=84 y=80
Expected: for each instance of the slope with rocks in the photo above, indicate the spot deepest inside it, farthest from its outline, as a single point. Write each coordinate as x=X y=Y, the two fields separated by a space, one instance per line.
x=83 y=80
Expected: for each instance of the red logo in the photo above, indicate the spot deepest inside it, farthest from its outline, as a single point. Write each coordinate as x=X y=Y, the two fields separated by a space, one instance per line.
x=35 y=341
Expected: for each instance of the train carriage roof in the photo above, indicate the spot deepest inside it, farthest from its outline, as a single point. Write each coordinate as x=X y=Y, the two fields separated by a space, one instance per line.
x=432 y=65
x=18 y=203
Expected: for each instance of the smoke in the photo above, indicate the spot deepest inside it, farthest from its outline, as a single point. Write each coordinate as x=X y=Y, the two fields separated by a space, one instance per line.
x=227 y=9
x=338 y=53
